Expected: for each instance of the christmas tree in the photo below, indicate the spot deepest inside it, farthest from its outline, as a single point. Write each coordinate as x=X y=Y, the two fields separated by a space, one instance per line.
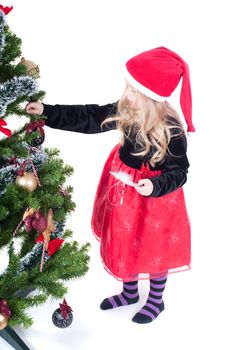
x=34 y=202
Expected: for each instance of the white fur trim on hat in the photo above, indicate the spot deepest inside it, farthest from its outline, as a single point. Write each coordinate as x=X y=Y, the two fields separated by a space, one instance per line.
x=142 y=88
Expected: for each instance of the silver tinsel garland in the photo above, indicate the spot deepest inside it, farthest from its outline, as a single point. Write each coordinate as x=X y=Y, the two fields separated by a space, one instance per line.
x=16 y=87
x=9 y=173
x=2 y=36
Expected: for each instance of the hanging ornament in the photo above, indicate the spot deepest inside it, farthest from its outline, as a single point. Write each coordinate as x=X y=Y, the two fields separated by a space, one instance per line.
x=36 y=126
x=4 y=313
x=27 y=181
x=32 y=69
x=39 y=222
x=46 y=235
x=28 y=223
x=63 y=317
x=50 y=228
x=34 y=219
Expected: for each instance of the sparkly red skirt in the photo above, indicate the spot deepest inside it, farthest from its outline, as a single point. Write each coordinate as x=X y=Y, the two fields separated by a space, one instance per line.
x=140 y=237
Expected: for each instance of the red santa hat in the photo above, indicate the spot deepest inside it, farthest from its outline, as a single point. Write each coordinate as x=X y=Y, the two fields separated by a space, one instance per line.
x=156 y=73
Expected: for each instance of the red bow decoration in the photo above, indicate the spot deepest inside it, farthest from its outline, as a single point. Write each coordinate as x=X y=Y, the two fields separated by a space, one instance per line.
x=37 y=124
x=6 y=9
x=4 y=308
x=5 y=131
x=22 y=168
x=53 y=245
x=65 y=309
x=13 y=160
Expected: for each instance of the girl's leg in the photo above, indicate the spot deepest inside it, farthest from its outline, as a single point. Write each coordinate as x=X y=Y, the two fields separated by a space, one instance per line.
x=154 y=305
x=128 y=296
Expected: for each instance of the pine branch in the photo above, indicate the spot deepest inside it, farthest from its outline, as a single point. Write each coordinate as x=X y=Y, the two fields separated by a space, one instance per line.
x=12 y=47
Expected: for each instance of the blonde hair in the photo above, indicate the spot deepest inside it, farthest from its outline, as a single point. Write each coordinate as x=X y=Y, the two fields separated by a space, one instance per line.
x=150 y=123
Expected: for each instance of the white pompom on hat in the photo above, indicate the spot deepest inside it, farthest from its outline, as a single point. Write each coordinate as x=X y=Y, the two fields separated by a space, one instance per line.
x=156 y=73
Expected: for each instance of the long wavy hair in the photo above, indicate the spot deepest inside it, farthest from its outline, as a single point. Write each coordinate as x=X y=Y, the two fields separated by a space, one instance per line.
x=150 y=123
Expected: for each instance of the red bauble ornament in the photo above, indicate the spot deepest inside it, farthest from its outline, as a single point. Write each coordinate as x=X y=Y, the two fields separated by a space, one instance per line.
x=28 y=223
x=63 y=316
x=39 y=223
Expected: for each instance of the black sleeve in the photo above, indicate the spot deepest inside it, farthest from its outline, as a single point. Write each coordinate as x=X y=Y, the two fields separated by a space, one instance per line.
x=86 y=119
x=175 y=168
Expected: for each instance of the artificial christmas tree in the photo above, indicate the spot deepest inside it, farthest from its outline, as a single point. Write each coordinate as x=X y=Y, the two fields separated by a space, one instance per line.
x=34 y=203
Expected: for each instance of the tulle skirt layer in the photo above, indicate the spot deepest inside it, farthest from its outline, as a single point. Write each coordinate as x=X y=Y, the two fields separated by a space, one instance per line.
x=140 y=237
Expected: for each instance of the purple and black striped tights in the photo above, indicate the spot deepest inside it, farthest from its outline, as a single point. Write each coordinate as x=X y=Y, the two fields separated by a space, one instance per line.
x=154 y=304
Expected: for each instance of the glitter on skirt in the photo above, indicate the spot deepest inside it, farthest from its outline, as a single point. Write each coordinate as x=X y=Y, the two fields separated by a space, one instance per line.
x=140 y=237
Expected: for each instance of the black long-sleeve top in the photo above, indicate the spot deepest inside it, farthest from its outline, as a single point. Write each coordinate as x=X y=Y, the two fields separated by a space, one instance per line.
x=88 y=118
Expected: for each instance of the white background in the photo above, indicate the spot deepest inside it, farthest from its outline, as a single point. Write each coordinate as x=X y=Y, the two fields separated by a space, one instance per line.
x=81 y=47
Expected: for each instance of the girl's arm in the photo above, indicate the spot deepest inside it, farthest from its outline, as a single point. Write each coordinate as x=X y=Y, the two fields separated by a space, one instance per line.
x=80 y=118
x=175 y=169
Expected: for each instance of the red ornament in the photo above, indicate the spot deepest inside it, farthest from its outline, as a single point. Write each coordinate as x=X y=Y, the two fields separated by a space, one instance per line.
x=28 y=223
x=63 y=317
x=4 y=308
x=65 y=309
x=53 y=245
x=38 y=214
x=6 y=9
x=39 y=223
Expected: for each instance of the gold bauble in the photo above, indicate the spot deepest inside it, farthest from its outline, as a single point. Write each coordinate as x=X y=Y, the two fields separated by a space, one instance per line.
x=27 y=181
x=3 y=321
x=32 y=68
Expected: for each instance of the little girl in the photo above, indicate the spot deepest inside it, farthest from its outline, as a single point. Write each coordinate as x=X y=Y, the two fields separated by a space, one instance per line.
x=139 y=213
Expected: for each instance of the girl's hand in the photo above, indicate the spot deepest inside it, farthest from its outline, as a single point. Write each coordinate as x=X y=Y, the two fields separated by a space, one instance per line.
x=35 y=108
x=144 y=187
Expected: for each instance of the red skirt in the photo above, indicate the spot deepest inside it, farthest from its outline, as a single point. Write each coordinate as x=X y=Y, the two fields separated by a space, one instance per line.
x=141 y=237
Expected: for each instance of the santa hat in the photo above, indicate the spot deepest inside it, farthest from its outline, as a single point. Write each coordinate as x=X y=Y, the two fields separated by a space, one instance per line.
x=156 y=73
